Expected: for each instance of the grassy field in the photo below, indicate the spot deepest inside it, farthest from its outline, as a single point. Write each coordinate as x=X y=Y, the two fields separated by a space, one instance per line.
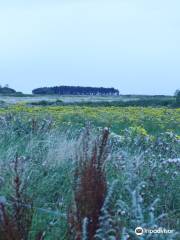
x=83 y=173
x=75 y=99
x=66 y=99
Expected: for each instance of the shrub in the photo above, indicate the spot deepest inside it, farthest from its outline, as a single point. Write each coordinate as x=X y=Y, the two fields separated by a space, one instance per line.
x=90 y=188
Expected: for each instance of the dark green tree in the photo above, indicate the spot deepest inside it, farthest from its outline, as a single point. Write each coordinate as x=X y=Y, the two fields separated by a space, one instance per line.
x=177 y=96
x=77 y=90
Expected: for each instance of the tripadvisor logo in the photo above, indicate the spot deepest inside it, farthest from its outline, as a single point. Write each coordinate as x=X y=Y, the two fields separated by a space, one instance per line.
x=139 y=231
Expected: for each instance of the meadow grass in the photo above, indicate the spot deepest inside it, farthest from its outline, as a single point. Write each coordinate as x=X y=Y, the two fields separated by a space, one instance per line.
x=50 y=173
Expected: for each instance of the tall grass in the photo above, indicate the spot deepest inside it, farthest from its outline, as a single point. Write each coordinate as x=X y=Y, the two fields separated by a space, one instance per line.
x=90 y=187
x=87 y=183
x=16 y=222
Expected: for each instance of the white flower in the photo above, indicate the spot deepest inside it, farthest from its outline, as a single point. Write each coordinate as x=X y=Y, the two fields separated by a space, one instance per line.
x=2 y=200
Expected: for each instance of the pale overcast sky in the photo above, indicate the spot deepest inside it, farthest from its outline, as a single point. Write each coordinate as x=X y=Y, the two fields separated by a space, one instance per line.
x=133 y=45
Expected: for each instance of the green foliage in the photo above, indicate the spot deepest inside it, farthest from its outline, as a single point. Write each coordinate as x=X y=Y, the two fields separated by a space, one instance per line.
x=6 y=90
x=141 y=167
x=149 y=102
x=177 y=96
x=76 y=90
x=47 y=103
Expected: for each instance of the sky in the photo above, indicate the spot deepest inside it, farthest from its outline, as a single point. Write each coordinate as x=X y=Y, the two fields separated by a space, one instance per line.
x=132 y=45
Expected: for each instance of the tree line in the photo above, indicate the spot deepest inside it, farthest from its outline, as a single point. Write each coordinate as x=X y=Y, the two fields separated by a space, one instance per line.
x=6 y=90
x=177 y=96
x=72 y=90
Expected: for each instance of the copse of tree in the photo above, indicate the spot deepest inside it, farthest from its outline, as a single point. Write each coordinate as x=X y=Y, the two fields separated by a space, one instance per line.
x=6 y=90
x=73 y=90
x=177 y=96
x=177 y=93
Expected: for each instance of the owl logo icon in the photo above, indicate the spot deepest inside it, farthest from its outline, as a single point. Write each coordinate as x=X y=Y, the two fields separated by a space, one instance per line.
x=139 y=231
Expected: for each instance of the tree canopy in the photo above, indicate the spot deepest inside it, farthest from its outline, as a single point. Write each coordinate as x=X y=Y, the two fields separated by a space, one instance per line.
x=6 y=90
x=76 y=90
x=177 y=96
